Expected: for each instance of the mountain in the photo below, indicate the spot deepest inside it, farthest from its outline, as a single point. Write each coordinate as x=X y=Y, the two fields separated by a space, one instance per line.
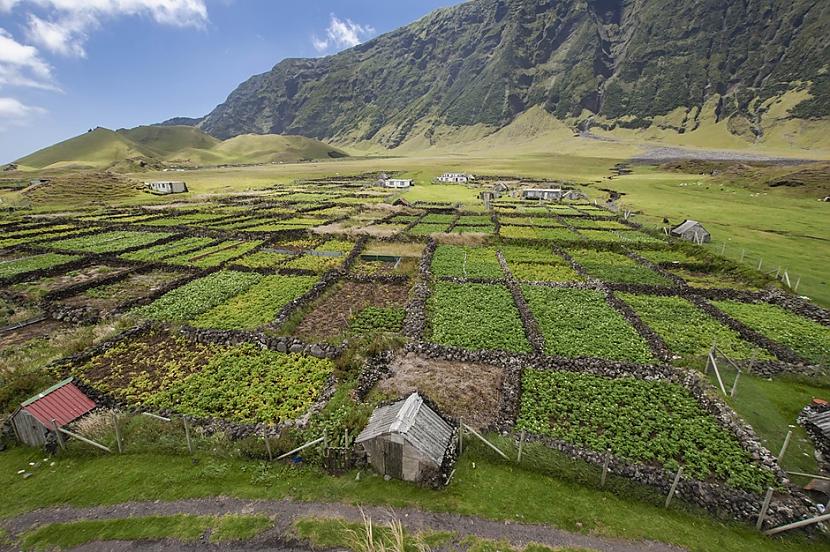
x=157 y=146
x=750 y=66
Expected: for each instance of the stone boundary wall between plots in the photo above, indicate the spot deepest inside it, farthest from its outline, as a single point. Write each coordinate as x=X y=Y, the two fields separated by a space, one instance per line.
x=820 y=441
x=68 y=291
x=187 y=276
x=531 y=326
x=658 y=347
x=714 y=497
x=282 y=344
x=399 y=279
x=415 y=323
x=463 y=280
x=642 y=261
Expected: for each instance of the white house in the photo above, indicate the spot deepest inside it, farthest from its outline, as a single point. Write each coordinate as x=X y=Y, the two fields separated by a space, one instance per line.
x=397 y=182
x=542 y=193
x=167 y=186
x=456 y=178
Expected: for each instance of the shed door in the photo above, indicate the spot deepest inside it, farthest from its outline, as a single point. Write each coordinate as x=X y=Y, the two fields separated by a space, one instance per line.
x=393 y=459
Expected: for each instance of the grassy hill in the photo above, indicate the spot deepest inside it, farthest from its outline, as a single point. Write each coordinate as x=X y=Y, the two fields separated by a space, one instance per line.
x=158 y=146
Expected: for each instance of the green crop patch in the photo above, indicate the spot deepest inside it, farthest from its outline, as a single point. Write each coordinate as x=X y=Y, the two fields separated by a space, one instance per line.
x=425 y=229
x=167 y=250
x=257 y=306
x=278 y=386
x=215 y=255
x=262 y=259
x=614 y=267
x=605 y=224
x=372 y=320
x=637 y=420
x=539 y=272
x=461 y=229
x=476 y=316
x=192 y=299
x=806 y=337
x=466 y=262
x=315 y=263
x=109 y=242
x=579 y=323
x=191 y=219
x=688 y=331
x=10 y=267
x=668 y=257
x=538 y=233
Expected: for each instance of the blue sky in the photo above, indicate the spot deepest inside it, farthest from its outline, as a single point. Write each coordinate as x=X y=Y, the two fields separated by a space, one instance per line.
x=70 y=65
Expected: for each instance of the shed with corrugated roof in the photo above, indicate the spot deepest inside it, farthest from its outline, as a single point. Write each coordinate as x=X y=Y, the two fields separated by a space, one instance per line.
x=63 y=402
x=406 y=440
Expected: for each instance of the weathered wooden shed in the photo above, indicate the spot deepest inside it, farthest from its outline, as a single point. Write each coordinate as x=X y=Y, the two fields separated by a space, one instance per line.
x=691 y=230
x=165 y=187
x=406 y=440
x=63 y=402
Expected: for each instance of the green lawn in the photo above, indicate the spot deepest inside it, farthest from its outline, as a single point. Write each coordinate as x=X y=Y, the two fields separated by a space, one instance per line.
x=182 y=527
x=552 y=489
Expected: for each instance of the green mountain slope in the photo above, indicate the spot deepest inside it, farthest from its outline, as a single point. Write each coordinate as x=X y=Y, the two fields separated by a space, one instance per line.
x=614 y=64
x=157 y=146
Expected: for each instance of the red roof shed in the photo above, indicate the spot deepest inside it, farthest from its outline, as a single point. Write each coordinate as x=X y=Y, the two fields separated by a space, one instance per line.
x=63 y=402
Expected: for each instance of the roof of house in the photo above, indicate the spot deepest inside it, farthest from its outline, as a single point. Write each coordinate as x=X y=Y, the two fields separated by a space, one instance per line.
x=821 y=420
x=63 y=402
x=420 y=425
x=686 y=226
x=542 y=190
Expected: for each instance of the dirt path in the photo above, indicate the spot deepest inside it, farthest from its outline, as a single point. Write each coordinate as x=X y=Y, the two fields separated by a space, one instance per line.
x=286 y=512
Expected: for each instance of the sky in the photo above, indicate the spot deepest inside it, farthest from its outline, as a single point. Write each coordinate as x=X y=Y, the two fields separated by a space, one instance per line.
x=70 y=65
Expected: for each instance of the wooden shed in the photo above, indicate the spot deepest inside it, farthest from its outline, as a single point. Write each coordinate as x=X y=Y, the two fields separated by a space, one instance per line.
x=63 y=402
x=406 y=440
x=691 y=230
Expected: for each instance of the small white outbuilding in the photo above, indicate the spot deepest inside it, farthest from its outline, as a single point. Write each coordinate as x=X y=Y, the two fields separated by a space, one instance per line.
x=406 y=440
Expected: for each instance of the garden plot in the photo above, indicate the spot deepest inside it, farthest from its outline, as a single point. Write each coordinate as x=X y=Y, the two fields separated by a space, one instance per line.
x=475 y=316
x=668 y=257
x=109 y=242
x=538 y=233
x=354 y=308
x=190 y=219
x=579 y=323
x=257 y=306
x=709 y=280
x=167 y=250
x=466 y=262
x=214 y=255
x=135 y=286
x=37 y=289
x=328 y=256
x=16 y=265
x=41 y=331
x=381 y=258
x=11 y=313
x=459 y=389
x=37 y=237
x=605 y=224
x=807 y=338
x=199 y=296
x=688 y=331
x=649 y=422
x=538 y=264
x=616 y=268
x=426 y=229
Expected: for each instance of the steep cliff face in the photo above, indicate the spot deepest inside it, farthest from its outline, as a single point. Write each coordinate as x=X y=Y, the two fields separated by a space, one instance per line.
x=486 y=61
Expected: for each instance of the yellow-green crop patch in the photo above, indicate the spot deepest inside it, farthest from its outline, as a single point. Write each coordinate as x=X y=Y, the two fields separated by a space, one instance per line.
x=23 y=265
x=109 y=242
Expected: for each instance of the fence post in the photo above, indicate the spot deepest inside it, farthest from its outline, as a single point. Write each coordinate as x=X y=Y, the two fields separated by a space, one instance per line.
x=795 y=288
x=460 y=436
x=734 y=385
x=58 y=434
x=605 y=469
x=187 y=435
x=521 y=445
x=723 y=248
x=674 y=486
x=763 y=513
x=785 y=445
x=117 y=433
x=267 y=444
x=760 y=261
x=743 y=252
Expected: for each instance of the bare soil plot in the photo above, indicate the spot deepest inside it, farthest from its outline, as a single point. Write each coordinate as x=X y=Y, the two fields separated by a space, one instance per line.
x=330 y=316
x=37 y=289
x=460 y=389
x=47 y=328
x=11 y=313
x=110 y=296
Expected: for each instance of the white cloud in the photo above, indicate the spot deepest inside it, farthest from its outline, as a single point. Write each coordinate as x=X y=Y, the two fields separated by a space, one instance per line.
x=342 y=33
x=64 y=25
x=21 y=65
x=15 y=113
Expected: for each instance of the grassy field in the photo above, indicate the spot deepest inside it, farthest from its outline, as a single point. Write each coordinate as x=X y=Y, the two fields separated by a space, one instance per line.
x=545 y=489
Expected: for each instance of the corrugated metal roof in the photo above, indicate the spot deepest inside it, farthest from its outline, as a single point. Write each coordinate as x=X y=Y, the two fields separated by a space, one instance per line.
x=421 y=426
x=62 y=402
x=822 y=421
x=685 y=226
